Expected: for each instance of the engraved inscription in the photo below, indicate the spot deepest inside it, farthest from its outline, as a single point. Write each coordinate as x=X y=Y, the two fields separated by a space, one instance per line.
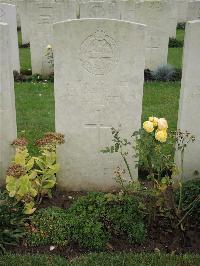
x=99 y=123
x=45 y=19
x=96 y=10
x=99 y=53
x=2 y=13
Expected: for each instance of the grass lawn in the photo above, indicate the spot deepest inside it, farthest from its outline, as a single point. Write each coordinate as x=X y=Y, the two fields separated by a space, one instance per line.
x=35 y=106
x=102 y=259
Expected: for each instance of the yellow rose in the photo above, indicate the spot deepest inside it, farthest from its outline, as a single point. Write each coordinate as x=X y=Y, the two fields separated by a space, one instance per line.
x=154 y=120
x=148 y=126
x=161 y=135
x=162 y=124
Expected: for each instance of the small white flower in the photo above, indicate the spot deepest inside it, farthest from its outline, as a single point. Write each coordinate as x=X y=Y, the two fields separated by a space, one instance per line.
x=52 y=248
x=49 y=47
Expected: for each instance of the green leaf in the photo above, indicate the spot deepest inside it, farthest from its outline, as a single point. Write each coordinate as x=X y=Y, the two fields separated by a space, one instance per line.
x=24 y=185
x=49 y=184
x=30 y=164
x=28 y=207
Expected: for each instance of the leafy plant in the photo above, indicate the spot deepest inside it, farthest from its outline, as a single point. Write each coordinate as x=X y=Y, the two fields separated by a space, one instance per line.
x=173 y=42
x=29 y=179
x=95 y=218
x=11 y=222
x=190 y=195
x=48 y=227
x=164 y=73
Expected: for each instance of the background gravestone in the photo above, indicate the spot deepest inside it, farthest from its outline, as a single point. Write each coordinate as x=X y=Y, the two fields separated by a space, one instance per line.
x=182 y=9
x=14 y=2
x=98 y=85
x=25 y=20
x=43 y=15
x=189 y=105
x=156 y=15
x=8 y=131
x=8 y=15
x=97 y=9
x=193 y=10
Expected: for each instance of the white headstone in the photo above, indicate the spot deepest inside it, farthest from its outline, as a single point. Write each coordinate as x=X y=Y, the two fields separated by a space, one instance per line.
x=193 y=10
x=156 y=15
x=13 y=2
x=44 y=14
x=189 y=105
x=182 y=9
x=156 y=51
x=97 y=9
x=8 y=131
x=98 y=85
x=25 y=20
x=8 y=15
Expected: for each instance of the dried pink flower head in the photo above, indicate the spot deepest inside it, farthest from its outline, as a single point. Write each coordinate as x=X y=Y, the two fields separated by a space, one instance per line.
x=20 y=142
x=16 y=170
x=50 y=138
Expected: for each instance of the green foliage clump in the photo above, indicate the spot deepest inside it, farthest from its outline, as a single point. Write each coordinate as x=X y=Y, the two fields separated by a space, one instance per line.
x=95 y=218
x=48 y=227
x=174 y=43
x=11 y=222
x=164 y=73
x=190 y=192
x=29 y=178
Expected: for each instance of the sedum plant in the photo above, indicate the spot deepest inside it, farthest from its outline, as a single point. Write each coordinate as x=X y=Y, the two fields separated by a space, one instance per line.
x=29 y=178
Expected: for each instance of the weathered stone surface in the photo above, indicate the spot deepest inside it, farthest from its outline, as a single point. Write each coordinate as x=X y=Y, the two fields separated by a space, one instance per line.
x=44 y=14
x=8 y=129
x=8 y=15
x=14 y=2
x=182 y=9
x=189 y=105
x=97 y=9
x=98 y=85
x=156 y=15
x=193 y=10
x=25 y=17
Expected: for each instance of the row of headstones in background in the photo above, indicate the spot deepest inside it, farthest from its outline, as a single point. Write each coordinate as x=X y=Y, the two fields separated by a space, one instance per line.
x=155 y=14
x=8 y=15
x=8 y=128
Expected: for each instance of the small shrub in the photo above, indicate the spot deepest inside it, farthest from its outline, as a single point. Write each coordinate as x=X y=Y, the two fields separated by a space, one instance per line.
x=190 y=191
x=126 y=219
x=164 y=73
x=181 y=25
x=85 y=217
x=173 y=42
x=95 y=218
x=48 y=227
x=11 y=222
x=29 y=178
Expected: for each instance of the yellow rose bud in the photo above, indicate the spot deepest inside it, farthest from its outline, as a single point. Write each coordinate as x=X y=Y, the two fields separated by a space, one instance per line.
x=162 y=124
x=148 y=126
x=154 y=120
x=161 y=135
